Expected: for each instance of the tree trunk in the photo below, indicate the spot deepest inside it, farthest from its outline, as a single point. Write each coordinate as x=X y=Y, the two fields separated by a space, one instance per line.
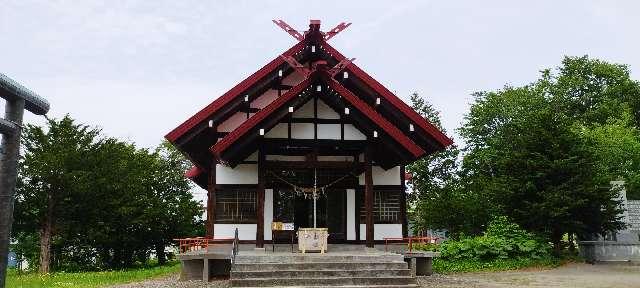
x=556 y=238
x=46 y=232
x=162 y=257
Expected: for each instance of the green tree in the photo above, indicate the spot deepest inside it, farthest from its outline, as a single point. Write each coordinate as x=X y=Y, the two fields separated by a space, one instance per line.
x=98 y=202
x=539 y=152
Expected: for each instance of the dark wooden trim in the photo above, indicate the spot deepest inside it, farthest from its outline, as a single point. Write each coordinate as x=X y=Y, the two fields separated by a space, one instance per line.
x=403 y=203
x=260 y=199
x=315 y=117
x=312 y=164
x=316 y=121
x=236 y=186
x=368 y=196
x=211 y=201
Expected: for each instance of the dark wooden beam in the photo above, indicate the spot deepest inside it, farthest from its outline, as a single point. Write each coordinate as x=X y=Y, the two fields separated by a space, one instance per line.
x=211 y=200
x=368 y=196
x=312 y=164
x=403 y=202
x=260 y=199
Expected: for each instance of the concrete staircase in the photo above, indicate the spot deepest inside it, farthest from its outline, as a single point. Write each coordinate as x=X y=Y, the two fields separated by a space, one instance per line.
x=321 y=270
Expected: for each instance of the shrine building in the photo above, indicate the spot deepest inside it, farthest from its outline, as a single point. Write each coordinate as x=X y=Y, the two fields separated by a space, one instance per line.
x=309 y=129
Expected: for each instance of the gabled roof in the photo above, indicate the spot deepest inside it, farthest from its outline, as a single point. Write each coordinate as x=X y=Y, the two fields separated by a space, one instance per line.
x=392 y=119
x=423 y=123
x=236 y=91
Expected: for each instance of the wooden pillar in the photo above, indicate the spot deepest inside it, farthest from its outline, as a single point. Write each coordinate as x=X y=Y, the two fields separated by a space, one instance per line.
x=211 y=200
x=368 y=196
x=260 y=199
x=403 y=202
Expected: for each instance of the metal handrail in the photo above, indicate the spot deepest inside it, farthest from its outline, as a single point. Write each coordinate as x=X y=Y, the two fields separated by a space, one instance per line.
x=234 y=247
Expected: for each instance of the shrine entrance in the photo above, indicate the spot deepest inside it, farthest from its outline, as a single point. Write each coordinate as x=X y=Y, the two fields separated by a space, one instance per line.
x=291 y=206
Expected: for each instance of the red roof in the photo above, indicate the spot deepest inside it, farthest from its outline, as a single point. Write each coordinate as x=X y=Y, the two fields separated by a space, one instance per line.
x=210 y=109
x=393 y=99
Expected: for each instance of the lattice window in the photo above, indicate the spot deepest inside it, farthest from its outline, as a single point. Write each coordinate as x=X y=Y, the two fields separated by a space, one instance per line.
x=386 y=207
x=236 y=205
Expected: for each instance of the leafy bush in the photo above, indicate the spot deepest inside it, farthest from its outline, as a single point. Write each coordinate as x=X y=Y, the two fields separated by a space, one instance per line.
x=502 y=240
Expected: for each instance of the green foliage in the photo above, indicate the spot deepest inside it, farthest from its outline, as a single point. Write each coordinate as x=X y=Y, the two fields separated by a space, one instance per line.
x=108 y=203
x=543 y=154
x=89 y=279
x=444 y=266
x=502 y=240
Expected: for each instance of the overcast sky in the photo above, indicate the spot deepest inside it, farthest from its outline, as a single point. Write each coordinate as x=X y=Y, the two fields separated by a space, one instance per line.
x=137 y=69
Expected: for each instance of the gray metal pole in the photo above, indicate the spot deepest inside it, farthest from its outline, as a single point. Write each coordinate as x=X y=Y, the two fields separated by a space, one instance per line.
x=8 y=175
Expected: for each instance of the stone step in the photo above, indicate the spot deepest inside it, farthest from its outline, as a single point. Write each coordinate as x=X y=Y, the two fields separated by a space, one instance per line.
x=297 y=258
x=318 y=266
x=324 y=282
x=320 y=273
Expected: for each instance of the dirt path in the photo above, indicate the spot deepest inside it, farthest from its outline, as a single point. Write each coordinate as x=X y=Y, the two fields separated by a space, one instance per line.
x=572 y=275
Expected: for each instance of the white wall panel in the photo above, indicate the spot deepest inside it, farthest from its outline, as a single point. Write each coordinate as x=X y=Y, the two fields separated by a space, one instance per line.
x=245 y=231
x=329 y=131
x=352 y=133
x=306 y=111
x=351 y=214
x=336 y=158
x=279 y=131
x=302 y=130
x=381 y=231
x=268 y=213
x=242 y=174
x=326 y=112
x=382 y=177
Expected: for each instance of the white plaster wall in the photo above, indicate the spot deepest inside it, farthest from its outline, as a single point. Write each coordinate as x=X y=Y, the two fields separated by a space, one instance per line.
x=352 y=133
x=306 y=111
x=233 y=122
x=326 y=112
x=351 y=214
x=279 y=131
x=302 y=130
x=284 y=158
x=268 y=213
x=242 y=174
x=382 y=177
x=381 y=231
x=245 y=231
x=329 y=131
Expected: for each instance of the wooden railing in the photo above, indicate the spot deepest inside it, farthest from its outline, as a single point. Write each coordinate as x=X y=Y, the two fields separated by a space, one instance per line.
x=200 y=243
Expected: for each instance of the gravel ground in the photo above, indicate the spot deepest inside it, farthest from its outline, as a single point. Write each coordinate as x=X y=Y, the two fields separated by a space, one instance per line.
x=568 y=276
x=172 y=282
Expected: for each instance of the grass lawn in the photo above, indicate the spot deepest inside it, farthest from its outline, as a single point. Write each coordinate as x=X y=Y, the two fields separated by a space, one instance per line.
x=88 y=279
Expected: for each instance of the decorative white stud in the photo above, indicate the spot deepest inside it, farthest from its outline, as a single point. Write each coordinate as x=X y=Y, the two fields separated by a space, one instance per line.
x=261 y=132
x=210 y=123
x=378 y=101
x=346 y=110
x=313 y=48
x=375 y=134
x=318 y=88
x=345 y=75
x=290 y=109
x=280 y=73
x=246 y=98
x=411 y=127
